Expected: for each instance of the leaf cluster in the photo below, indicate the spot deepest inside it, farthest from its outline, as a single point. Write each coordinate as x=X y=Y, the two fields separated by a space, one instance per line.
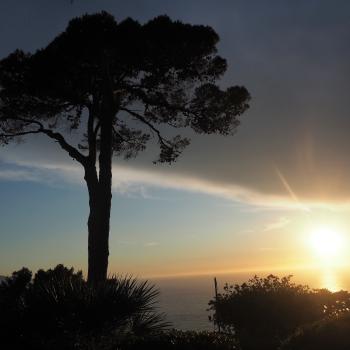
x=329 y=333
x=59 y=308
x=176 y=340
x=162 y=72
x=264 y=311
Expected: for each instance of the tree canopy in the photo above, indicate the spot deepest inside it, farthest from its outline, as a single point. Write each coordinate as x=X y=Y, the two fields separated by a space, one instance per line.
x=161 y=72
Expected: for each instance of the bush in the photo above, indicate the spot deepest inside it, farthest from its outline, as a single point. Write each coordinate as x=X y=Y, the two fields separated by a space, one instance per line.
x=59 y=309
x=264 y=311
x=331 y=333
x=177 y=340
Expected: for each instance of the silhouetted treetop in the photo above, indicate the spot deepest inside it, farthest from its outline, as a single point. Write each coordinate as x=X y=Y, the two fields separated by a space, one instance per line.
x=162 y=72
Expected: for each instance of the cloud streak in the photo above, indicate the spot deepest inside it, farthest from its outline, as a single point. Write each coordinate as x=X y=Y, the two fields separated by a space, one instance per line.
x=17 y=175
x=278 y=224
x=132 y=181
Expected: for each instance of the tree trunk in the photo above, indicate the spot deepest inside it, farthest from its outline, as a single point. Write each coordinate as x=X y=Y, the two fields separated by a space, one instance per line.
x=98 y=227
x=100 y=189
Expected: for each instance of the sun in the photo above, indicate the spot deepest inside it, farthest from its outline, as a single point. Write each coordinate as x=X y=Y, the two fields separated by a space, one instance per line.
x=326 y=242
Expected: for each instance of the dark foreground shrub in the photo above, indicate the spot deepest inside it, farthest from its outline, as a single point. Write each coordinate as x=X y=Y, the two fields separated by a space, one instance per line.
x=328 y=334
x=174 y=340
x=58 y=309
x=264 y=311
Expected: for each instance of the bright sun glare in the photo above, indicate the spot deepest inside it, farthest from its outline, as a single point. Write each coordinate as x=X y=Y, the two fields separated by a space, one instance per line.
x=326 y=242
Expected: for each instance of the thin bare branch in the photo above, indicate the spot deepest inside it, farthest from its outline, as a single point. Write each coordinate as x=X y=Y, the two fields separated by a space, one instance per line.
x=141 y=118
x=23 y=133
x=72 y=151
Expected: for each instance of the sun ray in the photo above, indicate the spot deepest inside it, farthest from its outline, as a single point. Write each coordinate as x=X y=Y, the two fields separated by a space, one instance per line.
x=290 y=191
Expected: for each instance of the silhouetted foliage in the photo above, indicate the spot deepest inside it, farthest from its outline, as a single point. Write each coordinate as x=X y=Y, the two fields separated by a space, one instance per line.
x=173 y=340
x=116 y=85
x=328 y=334
x=264 y=311
x=59 y=309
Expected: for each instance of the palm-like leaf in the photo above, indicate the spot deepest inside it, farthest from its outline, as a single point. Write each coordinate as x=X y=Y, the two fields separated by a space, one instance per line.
x=59 y=305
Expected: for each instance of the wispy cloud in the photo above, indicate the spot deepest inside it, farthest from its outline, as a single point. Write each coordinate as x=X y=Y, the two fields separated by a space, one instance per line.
x=139 y=182
x=17 y=175
x=278 y=224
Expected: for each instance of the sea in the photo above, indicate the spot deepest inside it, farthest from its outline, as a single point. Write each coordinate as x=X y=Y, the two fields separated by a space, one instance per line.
x=184 y=300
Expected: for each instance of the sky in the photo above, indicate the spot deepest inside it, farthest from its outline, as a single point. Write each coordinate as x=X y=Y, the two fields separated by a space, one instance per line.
x=248 y=202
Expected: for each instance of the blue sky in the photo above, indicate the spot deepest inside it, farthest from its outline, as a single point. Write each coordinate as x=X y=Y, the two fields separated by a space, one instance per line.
x=244 y=202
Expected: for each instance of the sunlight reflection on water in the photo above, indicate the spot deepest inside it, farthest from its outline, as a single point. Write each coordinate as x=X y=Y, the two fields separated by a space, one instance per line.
x=330 y=281
x=330 y=278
